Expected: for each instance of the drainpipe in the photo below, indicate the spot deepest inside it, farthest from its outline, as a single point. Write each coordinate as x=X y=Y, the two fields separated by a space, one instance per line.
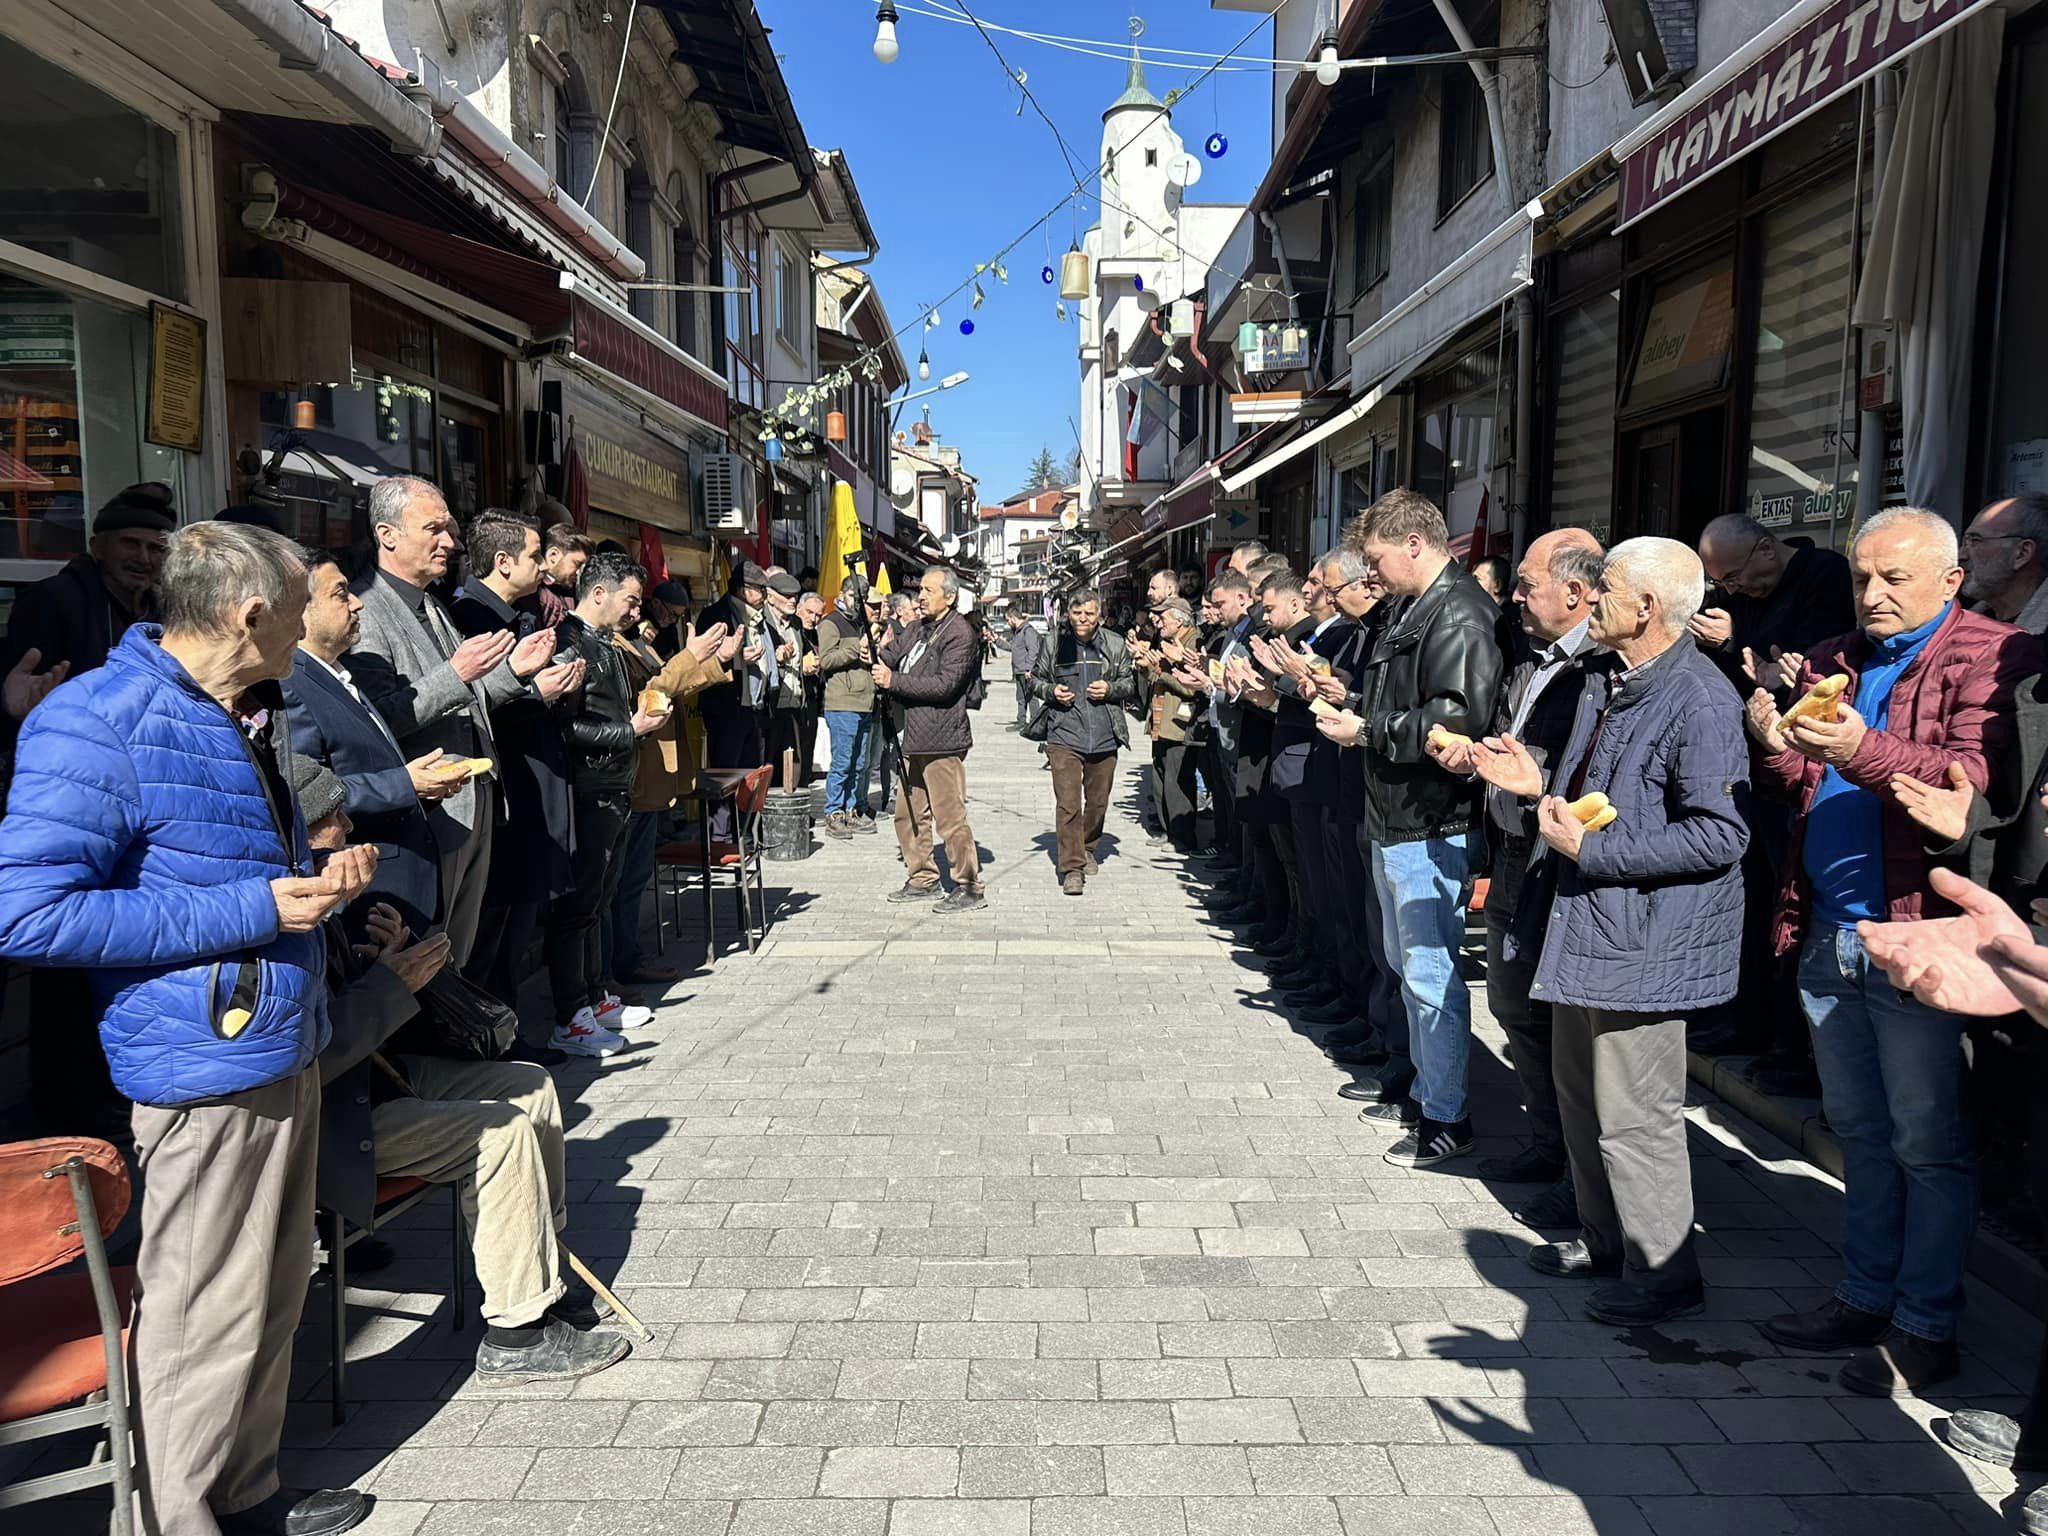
x=1520 y=476
x=452 y=113
x=304 y=43
x=1870 y=457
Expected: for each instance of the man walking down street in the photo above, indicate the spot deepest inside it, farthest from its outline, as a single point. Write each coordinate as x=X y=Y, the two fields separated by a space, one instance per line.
x=1082 y=681
x=845 y=657
x=1025 y=642
x=1554 y=590
x=603 y=727
x=152 y=840
x=1643 y=928
x=929 y=668
x=1436 y=663
x=1931 y=692
x=435 y=688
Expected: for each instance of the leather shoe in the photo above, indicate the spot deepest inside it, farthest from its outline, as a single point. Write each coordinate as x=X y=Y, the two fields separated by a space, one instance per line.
x=1827 y=1329
x=1992 y=1437
x=1367 y=1089
x=1338 y=1010
x=1571 y=1260
x=1554 y=1208
x=1527 y=1166
x=650 y=974
x=1309 y=994
x=1277 y=947
x=323 y=1512
x=1635 y=1306
x=1900 y=1365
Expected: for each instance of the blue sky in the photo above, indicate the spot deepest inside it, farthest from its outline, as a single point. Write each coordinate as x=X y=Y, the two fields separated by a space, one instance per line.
x=950 y=174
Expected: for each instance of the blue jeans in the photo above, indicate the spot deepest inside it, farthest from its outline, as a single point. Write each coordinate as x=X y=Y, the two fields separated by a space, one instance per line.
x=1891 y=1080
x=636 y=868
x=846 y=785
x=1421 y=888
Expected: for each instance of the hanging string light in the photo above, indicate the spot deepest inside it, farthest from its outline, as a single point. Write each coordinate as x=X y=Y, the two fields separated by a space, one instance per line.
x=885 y=33
x=924 y=364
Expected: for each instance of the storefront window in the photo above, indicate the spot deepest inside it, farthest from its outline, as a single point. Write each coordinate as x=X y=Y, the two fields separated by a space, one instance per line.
x=73 y=378
x=1686 y=338
x=1801 y=475
x=1586 y=340
x=87 y=180
x=2018 y=442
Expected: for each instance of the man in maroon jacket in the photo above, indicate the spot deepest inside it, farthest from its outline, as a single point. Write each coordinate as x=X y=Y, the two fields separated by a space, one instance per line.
x=1930 y=686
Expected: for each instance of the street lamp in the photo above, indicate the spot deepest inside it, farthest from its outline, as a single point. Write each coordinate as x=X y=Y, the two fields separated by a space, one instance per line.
x=950 y=381
x=885 y=33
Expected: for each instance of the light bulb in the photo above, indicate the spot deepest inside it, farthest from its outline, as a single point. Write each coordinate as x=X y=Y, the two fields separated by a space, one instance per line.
x=885 y=35
x=924 y=366
x=1327 y=72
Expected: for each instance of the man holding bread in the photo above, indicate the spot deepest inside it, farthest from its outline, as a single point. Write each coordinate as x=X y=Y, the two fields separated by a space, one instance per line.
x=1920 y=687
x=602 y=725
x=1642 y=889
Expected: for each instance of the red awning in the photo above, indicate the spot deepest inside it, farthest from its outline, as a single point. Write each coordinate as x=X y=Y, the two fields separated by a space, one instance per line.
x=521 y=287
x=603 y=337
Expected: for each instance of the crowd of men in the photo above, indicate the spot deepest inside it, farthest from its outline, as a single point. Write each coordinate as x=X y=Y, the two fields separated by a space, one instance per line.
x=273 y=823
x=1666 y=843
x=286 y=829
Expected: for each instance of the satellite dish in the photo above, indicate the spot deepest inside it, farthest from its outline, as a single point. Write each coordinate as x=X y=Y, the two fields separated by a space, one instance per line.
x=1070 y=516
x=951 y=545
x=1183 y=170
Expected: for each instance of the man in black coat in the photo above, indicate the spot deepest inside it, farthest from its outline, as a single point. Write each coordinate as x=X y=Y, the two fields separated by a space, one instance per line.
x=929 y=669
x=531 y=853
x=735 y=713
x=59 y=627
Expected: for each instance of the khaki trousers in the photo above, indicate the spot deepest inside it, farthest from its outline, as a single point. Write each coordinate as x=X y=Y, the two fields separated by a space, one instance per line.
x=227 y=1249
x=1080 y=796
x=495 y=1127
x=934 y=789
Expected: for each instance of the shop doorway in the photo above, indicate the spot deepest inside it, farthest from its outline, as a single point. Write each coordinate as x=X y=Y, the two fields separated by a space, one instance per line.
x=1671 y=477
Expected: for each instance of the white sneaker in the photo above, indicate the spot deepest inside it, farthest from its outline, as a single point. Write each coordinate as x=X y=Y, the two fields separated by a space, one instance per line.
x=584 y=1036
x=617 y=1014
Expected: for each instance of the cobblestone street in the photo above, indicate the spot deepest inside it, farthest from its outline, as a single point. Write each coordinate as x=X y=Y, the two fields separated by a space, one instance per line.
x=1042 y=1220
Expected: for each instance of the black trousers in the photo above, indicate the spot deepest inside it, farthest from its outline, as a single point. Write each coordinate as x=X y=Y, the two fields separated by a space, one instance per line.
x=1316 y=911
x=497 y=963
x=70 y=1085
x=786 y=734
x=1173 y=791
x=731 y=741
x=576 y=926
x=1217 y=774
x=1525 y=1019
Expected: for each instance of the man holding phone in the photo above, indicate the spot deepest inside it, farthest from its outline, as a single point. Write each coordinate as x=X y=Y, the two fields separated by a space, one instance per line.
x=1082 y=678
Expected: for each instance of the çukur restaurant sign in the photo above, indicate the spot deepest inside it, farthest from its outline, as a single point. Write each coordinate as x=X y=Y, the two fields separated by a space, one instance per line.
x=1809 y=67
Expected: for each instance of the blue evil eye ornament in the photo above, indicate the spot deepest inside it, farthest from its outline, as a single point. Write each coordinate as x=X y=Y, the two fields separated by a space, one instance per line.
x=1138 y=283
x=966 y=327
x=1216 y=146
x=1046 y=273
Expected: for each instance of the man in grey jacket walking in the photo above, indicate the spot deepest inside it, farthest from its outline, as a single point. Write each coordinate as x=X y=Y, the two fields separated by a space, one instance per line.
x=433 y=687
x=929 y=668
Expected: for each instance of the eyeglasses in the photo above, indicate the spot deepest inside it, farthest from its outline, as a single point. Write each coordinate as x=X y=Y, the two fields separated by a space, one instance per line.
x=1743 y=565
x=1972 y=540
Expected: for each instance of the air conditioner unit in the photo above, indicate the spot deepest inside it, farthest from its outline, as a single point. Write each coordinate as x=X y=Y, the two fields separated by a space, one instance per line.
x=725 y=501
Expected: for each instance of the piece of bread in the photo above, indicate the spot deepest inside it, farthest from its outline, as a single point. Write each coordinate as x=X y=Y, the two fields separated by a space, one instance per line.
x=654 y=702
x=475 y=767
x=1593 y=811
x=1443 y=737
x=1822 y=702
x=1321 y=706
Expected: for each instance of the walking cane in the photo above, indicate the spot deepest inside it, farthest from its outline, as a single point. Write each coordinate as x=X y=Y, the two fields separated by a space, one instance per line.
x=598 y=1288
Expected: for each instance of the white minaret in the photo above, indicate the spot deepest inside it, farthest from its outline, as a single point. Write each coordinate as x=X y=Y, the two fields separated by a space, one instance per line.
x=1139 y=147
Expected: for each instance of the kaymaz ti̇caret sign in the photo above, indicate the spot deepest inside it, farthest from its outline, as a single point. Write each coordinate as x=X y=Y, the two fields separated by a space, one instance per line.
x=1802 y=71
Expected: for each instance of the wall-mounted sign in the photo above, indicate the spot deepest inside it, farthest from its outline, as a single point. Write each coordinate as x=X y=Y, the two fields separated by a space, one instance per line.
x=177 y=379
x=633 y=472
x=1800 y=73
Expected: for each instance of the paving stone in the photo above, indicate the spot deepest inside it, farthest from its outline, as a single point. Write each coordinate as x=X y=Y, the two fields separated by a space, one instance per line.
x=859 y=1472
x=1239 y=1421
x=1176 y=1470
x=1035 y=1472
x=585 y=1474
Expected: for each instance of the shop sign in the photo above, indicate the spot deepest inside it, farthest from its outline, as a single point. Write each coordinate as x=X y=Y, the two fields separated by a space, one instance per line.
x=36 y=333
x=1800 y=73
x=632 y=472
x=177 y=378
x=1819 y=505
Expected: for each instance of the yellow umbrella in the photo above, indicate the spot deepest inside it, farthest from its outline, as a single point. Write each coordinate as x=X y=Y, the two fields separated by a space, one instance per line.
x=842 y=538
x=882 y=587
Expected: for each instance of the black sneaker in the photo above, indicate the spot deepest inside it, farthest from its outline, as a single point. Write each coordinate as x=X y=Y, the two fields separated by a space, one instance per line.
x=1900 y=1365
x=537 y=1055
x=323 y=1512
x=1825 y=1330
x=1430 y=1143
x=1622 y=1305
x=1557 y=1206
x=960 y=899
x=912 y=891
x=561 y=1353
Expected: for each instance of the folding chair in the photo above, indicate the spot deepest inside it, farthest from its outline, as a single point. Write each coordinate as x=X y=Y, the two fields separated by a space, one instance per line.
x=395 y=1197
x=66 y=1335
x=740 y=860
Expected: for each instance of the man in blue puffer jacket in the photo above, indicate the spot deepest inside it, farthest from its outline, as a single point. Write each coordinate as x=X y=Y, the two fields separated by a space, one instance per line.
x=152 y=840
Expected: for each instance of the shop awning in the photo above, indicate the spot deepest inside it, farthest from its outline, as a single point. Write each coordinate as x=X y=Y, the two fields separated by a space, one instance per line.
x=1410 y=333
x=1812 y=54
x=609 y=340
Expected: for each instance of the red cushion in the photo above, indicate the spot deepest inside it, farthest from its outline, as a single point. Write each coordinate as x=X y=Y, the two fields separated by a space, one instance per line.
x=692 y=854
x=397 y=1188
x=51 y=1354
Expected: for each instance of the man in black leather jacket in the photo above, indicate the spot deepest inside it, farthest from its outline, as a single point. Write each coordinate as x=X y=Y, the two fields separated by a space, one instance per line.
x=602 y=725
x=1435 y=663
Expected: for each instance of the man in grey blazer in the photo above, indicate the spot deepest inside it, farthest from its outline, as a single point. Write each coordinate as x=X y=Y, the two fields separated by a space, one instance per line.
x=433 y=687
